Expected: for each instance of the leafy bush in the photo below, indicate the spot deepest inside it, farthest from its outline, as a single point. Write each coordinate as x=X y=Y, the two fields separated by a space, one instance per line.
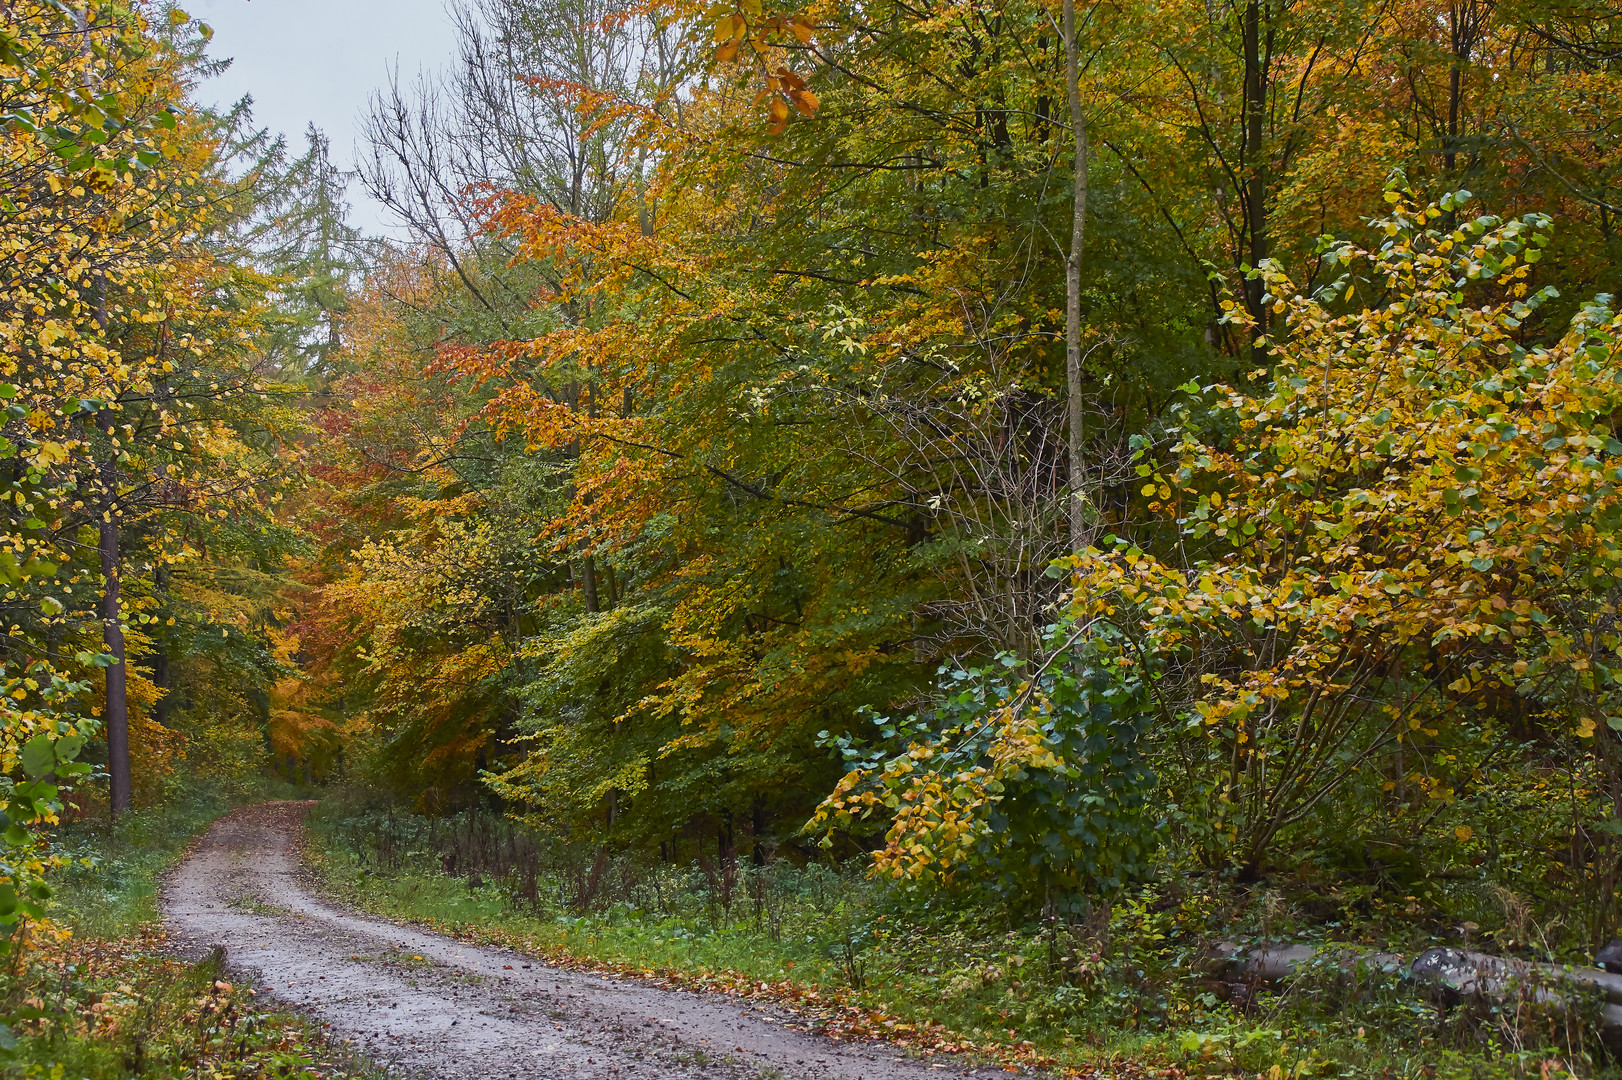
x=1028 y=779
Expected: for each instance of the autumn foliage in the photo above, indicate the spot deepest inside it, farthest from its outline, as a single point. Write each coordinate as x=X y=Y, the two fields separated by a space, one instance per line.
x=735 y=459
x=711 y=423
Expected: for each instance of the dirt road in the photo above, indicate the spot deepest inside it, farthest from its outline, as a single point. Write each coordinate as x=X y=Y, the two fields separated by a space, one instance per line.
x=423 y=1004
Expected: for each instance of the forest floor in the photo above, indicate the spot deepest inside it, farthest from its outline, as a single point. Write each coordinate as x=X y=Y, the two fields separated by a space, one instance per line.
x=425 y=1004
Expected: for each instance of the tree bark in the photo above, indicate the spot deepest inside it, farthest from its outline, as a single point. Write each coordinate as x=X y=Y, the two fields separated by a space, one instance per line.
x=588 y=576
x=1255 y=162
x=112 y=635
x=1072 y=284
x=161 y=673
x=160 y=679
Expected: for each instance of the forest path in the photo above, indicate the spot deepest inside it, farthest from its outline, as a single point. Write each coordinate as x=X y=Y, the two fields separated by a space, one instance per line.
x=423 y=1004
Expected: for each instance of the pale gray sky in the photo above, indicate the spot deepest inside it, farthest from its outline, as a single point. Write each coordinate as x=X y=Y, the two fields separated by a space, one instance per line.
x=320 y=60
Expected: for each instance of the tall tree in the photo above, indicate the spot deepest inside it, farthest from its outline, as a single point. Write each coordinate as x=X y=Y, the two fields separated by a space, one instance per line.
x=301 y=235
x=1075 y=387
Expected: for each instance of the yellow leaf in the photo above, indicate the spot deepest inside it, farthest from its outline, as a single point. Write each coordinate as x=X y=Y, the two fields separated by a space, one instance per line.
x=1464 y=833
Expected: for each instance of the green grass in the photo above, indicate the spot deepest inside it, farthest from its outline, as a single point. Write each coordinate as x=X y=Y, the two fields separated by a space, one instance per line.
x=1126 y=987
x=106 y=1001
x=111 y=889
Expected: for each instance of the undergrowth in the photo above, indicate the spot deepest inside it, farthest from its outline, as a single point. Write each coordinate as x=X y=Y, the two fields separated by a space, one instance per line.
x=99 y=994
x=1130 y=984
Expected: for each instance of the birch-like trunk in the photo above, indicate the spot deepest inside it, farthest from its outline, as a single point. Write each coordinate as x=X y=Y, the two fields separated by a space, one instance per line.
x=1072 y=286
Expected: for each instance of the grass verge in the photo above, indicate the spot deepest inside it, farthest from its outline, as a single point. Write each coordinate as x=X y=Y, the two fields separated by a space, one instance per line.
x=98 y=995
x=1119 y=997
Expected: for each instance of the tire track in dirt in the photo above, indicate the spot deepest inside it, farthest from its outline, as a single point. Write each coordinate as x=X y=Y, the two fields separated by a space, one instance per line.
x=424 y=1004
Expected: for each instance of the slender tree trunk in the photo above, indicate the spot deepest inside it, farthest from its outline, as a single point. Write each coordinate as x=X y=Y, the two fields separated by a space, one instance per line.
x=1254 y=158
x=757 y=831
x=160 y=679
x=588 y=577
x=112 y=632
x=1455 y=92
x=161 y=674
x=1072 y=284
x=1464 y=24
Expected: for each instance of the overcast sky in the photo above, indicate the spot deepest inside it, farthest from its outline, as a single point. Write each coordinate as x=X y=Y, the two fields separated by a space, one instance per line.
x=320 y=60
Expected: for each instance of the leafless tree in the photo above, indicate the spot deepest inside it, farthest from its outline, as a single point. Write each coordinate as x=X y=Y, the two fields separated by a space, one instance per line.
x=517 y=112
x=983 y=464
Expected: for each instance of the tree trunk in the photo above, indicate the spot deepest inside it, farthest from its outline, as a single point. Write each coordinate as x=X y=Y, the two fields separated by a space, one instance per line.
x=588 y=576
x=112 y=632
x=757 y=831
x=160 y=679
x=1455 y=93
x=1255 y=162
x=162 y=676
x=1072 y=283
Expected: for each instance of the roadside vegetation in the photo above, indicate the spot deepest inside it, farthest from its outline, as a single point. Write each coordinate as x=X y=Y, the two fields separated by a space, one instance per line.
x=1129 y=989
x=101 y=995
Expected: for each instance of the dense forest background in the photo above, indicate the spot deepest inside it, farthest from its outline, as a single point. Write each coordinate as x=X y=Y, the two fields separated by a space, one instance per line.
x=1057 y=456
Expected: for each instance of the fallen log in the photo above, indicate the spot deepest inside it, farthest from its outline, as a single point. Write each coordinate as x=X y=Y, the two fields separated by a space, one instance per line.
x=1476 y=974
x=1459 y=973
x=1283 y=961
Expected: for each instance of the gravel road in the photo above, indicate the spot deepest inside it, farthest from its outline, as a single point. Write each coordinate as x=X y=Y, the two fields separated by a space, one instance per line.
x=424 y=1005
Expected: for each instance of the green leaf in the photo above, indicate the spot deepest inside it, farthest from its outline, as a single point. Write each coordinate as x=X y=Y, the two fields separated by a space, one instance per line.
x=38 y=756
